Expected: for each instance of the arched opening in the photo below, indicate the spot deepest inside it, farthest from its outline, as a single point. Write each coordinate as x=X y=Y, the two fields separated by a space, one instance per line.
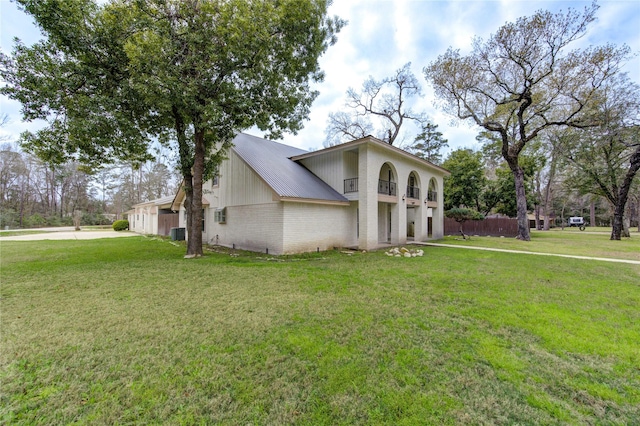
x=413 y=205
x=387 y=203
x=432 y=193
x=413 y=186
x=432 y=203
x=387 y=181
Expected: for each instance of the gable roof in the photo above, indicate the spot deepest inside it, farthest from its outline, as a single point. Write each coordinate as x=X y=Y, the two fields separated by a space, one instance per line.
x=287 y=178
x=161 y=202
x=377 y=142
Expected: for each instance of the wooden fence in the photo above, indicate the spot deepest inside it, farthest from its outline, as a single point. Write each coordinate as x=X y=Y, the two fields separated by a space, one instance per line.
x=166 y=222
x=495 y=227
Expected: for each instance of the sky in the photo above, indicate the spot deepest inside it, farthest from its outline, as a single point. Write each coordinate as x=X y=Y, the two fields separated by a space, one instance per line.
x=383 y=35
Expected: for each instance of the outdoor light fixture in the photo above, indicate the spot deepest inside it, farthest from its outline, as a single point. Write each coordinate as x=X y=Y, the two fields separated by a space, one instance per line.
x=426 y=199
x=403 y=195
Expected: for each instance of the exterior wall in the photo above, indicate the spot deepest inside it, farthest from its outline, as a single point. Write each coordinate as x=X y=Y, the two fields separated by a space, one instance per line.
x=239 y=185
x=368 y=171
x=371 y=160
x=255 y=227
x=308 y=227
x=144 y=219
x=246 y=199
x=328 y=167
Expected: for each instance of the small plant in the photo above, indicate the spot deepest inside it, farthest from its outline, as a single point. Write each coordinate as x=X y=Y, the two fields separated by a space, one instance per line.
x=121 y=225
x=461 y=215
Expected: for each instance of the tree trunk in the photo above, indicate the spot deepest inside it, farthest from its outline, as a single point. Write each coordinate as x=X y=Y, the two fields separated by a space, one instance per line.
x=592 y=213
x=521 y=199
x=548 y=191
x=623 y=194
x=194 y=245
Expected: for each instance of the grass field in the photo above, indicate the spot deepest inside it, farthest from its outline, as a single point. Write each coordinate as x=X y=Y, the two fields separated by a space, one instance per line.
x=569 y=242
x=126 y=331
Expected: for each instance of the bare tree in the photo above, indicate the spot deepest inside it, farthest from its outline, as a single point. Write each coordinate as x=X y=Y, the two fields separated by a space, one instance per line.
x=523 y=81
x=381 y=109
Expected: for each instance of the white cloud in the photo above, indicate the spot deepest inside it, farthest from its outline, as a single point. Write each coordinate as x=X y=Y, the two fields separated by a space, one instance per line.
x=382 y=35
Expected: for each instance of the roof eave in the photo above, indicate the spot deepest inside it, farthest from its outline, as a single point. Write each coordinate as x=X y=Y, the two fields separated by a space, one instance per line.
x=371 y=139
x=314 y=201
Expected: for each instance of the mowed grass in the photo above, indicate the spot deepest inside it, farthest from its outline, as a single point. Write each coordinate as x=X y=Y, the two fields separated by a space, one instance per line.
x=126 y=331
x=570 y=241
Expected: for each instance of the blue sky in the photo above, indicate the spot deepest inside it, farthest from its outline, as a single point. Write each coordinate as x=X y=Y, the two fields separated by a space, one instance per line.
x=383 y=35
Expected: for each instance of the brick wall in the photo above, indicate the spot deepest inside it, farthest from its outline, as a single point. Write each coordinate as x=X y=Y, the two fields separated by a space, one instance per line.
x=250 y=227
x=308 y=227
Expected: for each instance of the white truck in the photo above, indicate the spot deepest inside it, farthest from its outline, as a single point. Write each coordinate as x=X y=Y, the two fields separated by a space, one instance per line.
x=577 y=221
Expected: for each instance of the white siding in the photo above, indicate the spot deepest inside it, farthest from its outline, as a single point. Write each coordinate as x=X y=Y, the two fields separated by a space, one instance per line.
x=328 y=167
x=239 y=185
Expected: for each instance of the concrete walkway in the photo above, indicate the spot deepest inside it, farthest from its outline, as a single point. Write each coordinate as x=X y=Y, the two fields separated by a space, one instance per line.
x=67 y=233
x=569 y=256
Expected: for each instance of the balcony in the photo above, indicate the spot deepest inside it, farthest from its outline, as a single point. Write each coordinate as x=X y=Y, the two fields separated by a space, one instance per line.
x=432 y=199
x=350 y=185
x=387 y=188
x=413 y=192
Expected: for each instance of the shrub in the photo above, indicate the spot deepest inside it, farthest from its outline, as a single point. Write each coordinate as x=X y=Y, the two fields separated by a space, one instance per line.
x=53 y=220
x=34 y=221
x=120 y=225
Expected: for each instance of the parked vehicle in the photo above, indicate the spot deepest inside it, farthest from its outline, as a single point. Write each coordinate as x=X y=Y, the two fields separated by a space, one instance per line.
x=577 y=221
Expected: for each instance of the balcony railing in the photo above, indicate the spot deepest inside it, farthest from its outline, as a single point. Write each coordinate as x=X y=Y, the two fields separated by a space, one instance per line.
x=387 y=188
x=432 y=196
x=351 y=185
x=413 y=192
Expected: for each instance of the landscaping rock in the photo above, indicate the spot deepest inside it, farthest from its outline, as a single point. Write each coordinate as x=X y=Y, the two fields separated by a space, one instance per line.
x=404 y=252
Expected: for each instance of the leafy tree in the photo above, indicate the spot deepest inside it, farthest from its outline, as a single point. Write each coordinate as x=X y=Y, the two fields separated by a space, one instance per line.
x=383 y=102
x=75 y=80
x=499 y=193
x=522 y=81
x=607 y=158
x=461 y=215
x=464 y=187
x=195 y=71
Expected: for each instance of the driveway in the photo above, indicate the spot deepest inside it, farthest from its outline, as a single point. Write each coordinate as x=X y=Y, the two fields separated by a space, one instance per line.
x=68 y=233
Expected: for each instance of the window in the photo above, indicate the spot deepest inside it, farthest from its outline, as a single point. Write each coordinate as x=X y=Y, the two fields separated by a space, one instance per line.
x=216 y=177
x=220 y=215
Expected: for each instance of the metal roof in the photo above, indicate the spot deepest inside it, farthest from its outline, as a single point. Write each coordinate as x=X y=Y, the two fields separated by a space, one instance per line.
x=157 y=202
x=288 y=179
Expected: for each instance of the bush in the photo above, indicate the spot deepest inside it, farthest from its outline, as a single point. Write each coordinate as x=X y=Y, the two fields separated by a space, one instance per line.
x=34 y=221
x=120 y=225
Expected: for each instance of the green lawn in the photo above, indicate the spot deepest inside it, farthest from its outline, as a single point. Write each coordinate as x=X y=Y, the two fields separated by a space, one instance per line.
x=570 y=242
x=126 y=331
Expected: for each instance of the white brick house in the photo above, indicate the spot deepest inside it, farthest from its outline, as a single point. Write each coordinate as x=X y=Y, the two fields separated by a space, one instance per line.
x=363 y=194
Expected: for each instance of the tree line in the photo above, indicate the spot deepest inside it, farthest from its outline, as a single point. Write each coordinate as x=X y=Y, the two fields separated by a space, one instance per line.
x=34 y=193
